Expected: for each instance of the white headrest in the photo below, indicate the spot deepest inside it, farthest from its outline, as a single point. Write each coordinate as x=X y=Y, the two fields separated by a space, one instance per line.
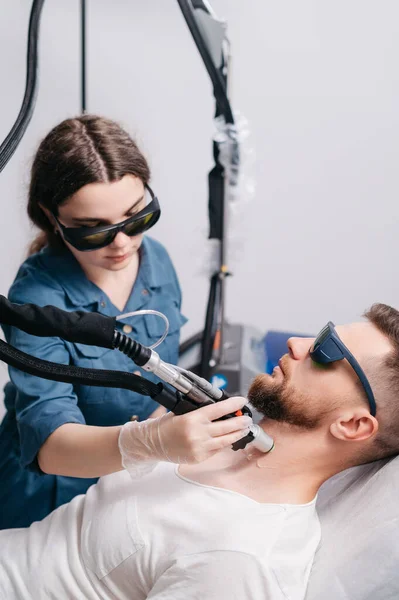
x=358 y=558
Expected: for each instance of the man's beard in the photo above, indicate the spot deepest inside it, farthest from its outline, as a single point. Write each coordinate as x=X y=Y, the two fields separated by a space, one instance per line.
x=276 y=401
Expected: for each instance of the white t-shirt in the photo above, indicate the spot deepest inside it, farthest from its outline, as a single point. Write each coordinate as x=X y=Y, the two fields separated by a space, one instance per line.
x=162 y=537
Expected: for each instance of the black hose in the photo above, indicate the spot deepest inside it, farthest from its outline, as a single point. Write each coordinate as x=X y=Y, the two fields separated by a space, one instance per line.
x=85 y=328
x=168 y=397
x=71 y=374
x=93 y=329
x=12 y=140
x=137 y=352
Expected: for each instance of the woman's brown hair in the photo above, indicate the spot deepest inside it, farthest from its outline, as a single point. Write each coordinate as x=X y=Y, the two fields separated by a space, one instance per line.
x=78 y=151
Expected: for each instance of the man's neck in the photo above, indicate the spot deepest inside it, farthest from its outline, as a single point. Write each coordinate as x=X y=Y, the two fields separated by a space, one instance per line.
x=290 y=474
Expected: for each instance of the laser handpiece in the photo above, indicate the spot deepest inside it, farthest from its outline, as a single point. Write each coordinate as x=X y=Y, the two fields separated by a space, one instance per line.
x=202 y=393
x=262 y=441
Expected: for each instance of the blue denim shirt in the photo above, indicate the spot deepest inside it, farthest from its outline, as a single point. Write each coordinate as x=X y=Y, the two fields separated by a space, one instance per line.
x=36 y=407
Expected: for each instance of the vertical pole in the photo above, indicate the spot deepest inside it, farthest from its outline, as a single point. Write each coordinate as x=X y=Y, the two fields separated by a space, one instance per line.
x=83 y=54
x=223 y=271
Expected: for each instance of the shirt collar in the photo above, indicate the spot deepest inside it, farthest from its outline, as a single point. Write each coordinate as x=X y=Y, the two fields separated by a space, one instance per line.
x=68 y=273
x=152 y=272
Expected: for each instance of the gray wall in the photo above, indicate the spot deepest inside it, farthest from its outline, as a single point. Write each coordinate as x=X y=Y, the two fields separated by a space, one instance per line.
x=318 y=82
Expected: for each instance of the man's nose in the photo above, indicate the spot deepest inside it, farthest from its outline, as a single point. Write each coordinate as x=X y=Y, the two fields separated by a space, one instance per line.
x=299 y=347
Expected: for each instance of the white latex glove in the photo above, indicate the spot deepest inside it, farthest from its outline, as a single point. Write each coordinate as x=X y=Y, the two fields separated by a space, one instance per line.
x=189 y=438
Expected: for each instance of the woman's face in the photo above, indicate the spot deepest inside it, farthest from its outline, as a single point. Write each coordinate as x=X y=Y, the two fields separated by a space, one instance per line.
x=106 y=204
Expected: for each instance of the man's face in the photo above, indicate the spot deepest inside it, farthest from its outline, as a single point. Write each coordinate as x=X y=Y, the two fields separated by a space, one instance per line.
x=304 y=393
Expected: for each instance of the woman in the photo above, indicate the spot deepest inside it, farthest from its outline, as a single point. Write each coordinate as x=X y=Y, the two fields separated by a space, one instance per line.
x=57 y=439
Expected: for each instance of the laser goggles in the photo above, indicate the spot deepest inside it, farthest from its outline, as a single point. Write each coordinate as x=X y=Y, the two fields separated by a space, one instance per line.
x=86 y=239
x=329 y=348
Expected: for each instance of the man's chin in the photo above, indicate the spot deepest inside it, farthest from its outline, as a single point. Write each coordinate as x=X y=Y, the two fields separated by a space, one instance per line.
x=272 y=397
x=263 y=385
x=265 y=396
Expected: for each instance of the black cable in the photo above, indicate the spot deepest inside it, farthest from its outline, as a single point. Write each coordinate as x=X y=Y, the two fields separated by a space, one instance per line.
x=12 y=140
x=208 y=335
x=83 y=54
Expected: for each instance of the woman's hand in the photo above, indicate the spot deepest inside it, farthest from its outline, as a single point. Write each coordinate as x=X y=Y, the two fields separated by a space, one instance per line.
x=189 y=438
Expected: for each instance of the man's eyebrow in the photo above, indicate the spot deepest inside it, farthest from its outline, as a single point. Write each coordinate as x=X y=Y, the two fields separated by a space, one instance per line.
x=97 y=220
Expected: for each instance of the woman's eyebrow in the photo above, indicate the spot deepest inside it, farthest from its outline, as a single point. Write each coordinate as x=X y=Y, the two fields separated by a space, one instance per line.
x=98 y=220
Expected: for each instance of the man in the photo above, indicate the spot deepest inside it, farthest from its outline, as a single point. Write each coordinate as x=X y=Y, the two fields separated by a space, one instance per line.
x=241 y=525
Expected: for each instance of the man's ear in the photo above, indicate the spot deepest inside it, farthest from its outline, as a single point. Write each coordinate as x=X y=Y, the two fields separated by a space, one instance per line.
x=354 y=425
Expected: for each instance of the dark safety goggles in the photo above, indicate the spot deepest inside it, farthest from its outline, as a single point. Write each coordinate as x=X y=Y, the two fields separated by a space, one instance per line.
x=328 y=348
x=94 y=238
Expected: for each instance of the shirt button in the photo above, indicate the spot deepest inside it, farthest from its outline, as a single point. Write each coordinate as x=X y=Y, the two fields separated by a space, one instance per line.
x=127 y=329
x=145 y=292
x=134 y=418
x=102 y=304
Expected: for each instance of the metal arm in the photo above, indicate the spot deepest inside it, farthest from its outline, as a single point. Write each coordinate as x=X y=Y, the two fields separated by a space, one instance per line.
x=209 y=34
